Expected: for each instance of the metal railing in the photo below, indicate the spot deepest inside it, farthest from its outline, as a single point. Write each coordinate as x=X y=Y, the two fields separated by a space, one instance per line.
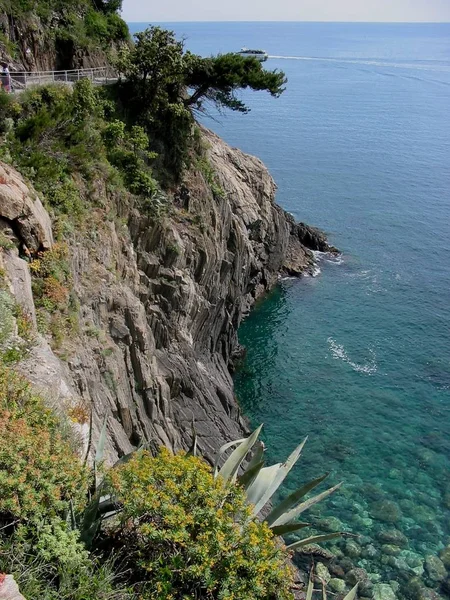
x=21 y=80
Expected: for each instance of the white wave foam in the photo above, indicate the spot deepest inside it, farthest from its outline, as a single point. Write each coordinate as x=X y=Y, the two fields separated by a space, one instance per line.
x=338 y=352
x=329 y=257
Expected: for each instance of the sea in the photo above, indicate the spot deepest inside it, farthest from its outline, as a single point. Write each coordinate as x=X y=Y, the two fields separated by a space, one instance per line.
x=357 y=357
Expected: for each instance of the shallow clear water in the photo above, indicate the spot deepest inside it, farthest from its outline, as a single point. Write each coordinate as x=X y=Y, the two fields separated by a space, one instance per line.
x=358 y=357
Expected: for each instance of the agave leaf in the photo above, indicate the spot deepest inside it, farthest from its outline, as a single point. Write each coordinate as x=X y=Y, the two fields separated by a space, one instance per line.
x=315 y=539
x=289 y=515
x=280 y=477
x=100 y=450
x=89 y=443
x=193 y=449
x=249 y=476
x=352 y=593
x=231 y=466
x=258 y=455
x=91 y=521
x=108 y=507
x=222 y=450
x=292 y=499
x=265 y=478
x=289 y=528
x=309 y=591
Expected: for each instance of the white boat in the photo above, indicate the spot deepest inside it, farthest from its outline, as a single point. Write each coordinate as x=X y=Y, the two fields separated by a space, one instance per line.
x=260 y=55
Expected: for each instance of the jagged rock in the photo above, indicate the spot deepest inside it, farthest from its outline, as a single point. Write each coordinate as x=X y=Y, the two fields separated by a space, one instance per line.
x=166 y=322
x=23 y=210
x=19 y=279
x=9 y=589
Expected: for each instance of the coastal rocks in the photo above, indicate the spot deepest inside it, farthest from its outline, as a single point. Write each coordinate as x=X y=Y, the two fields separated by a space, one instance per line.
x=313 y=238
x=386 y=511
x=352 y=549
x=444 y=555
x=435 y=568
x=322 y=572
x=383 y=591
x=394 y=537
x=337 y=585
x=165 y=298
x=22 y=209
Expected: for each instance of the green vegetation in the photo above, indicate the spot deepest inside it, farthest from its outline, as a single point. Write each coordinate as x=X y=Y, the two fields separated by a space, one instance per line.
x=185 y=535
x=158 y=72
x=156 y=527
x=65 y=140
x=85 y=23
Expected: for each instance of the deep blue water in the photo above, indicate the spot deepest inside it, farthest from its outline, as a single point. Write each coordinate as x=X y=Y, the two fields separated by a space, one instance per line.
x=358 y=357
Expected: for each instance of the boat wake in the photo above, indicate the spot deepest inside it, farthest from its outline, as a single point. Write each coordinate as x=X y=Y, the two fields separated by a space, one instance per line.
x=338 y=353
x=416 y=66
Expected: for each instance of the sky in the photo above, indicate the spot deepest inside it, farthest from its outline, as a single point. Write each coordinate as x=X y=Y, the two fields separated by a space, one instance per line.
x=287 y=10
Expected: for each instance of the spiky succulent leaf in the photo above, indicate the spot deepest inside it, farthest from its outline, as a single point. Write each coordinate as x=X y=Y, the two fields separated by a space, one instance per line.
x=281 y=475
x=289 y=528
x=221 y=452
x=293 y=499
x=309 y=591
x=230 y=468
x=352 y=593
x=265 y=478
x=100 y=451
x=314 y=539
x=258 y=455
x=290 y=515
x=249 y=476
x=193 y=448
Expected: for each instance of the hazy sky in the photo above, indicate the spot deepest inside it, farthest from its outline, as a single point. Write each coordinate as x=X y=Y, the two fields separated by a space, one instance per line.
x=286 y=10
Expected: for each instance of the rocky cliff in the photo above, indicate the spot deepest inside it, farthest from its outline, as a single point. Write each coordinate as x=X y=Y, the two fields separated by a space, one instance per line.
x=160 y=299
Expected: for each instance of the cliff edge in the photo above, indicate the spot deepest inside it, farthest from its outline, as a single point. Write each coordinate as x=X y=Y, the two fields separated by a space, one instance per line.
x=159 y=300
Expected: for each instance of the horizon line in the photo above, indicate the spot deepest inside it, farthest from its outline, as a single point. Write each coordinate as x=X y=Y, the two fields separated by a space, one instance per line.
x=292 y=21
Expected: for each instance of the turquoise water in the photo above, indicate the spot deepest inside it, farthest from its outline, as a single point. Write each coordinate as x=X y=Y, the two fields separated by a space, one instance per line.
x=358 y=358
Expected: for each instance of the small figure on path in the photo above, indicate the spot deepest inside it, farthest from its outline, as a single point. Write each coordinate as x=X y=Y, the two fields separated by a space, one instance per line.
x=6 y=78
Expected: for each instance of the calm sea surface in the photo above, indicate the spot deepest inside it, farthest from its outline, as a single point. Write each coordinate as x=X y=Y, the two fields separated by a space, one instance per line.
x=358 y=357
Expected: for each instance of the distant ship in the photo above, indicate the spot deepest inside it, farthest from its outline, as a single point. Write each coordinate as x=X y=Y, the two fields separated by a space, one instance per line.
x=260 y=55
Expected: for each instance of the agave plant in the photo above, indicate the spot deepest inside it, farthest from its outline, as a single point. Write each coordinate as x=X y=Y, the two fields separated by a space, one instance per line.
x=309 y=592
x=261 y=483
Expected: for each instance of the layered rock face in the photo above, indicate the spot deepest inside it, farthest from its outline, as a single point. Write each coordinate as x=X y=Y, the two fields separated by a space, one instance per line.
x=161 y=301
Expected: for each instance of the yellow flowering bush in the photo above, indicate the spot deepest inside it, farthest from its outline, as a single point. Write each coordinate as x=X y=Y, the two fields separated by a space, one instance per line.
x=39 y=471
x=185 y=535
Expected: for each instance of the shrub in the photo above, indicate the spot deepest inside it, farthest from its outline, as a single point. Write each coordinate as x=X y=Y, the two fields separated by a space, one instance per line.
x=40 y=474
x=184 y=534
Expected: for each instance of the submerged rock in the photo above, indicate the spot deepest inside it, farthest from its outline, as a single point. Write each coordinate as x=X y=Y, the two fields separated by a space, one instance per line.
x=383 y=591
x=337 y=585
x=390 y=549
x=393 y=536
x=352 y=549
x=322 y=572
x=386 y=511
x=444 y=555
x=435 y=568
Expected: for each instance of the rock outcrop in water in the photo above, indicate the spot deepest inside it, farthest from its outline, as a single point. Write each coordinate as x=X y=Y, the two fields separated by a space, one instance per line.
x=160 y=300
